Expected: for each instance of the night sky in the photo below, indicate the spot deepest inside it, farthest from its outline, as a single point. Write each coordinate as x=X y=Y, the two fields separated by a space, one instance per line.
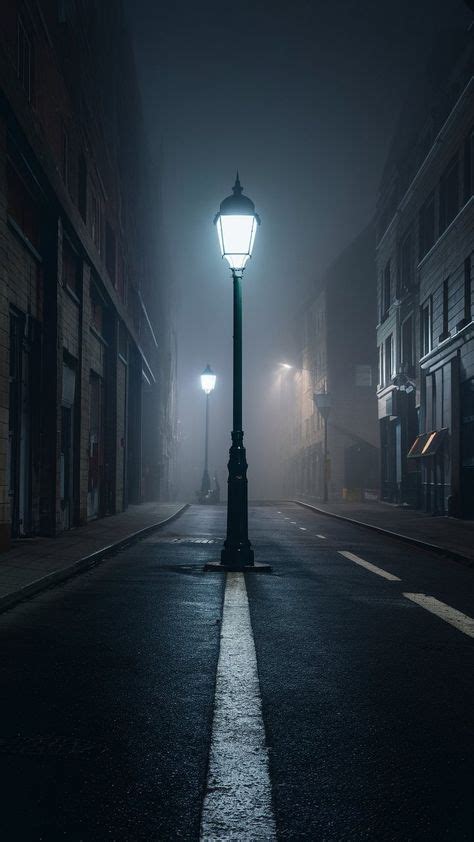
x=303 y=99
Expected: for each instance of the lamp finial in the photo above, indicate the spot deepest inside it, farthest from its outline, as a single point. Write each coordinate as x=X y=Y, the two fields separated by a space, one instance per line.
x=237 y=188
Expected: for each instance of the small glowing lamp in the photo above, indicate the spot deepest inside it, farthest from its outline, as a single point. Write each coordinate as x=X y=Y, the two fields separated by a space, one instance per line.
x=236 y=225
x=208 y=380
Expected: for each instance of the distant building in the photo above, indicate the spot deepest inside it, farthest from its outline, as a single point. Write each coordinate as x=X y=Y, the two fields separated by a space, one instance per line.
x=87 y=362
x=335 y=348
x=425 y=334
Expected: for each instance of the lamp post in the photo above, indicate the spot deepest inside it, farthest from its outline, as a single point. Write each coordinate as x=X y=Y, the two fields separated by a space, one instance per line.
x=323 y=404
x=236 y=224
x=208 y=382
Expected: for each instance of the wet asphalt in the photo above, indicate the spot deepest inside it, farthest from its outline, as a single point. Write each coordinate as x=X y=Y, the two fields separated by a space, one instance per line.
x=107 y=688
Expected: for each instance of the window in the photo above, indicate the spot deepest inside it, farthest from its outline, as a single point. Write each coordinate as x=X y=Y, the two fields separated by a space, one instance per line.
x=64 y=154
x=449 y=195
x=381 y=371
x=24 y=59
x=82 y=186
x=110 y=252
x=467 y=289
x=95 y=220
x=469 y=166
x=407 y=344
x=425 y=328
x=22 y=207
x=406 y=262
x=97 y=310
x=427 y=226
x=386 y=290
x=445 y=332
x=70 y=266
x=388 y=359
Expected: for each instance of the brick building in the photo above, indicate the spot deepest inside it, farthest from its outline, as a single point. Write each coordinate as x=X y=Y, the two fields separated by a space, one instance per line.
x=425 y=335
x=334 y=343
x=87 y=363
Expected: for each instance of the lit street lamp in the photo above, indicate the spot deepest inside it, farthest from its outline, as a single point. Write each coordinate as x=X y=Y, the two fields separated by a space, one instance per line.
x=323 y=404
x=236 y=224
x=208 y=382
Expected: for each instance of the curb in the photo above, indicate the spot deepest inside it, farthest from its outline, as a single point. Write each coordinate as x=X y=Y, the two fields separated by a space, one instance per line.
x=83 y=564
x=424 y=545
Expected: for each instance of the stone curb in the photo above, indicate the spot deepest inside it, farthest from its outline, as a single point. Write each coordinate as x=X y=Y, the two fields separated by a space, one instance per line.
x=424 y=545
x=82 y=564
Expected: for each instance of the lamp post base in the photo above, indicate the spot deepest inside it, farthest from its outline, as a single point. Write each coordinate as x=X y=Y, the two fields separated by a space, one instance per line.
x=223 y=567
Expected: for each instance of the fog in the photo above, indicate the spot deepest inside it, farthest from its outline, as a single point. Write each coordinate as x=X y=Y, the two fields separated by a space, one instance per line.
x=302 y=99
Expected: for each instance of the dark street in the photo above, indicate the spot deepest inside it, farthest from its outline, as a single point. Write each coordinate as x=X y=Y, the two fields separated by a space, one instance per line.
x=108 y=686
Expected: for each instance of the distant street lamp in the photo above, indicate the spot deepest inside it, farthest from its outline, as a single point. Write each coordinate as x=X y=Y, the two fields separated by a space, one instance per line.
x=323 y=404
x=236 y=224
x=208 y=382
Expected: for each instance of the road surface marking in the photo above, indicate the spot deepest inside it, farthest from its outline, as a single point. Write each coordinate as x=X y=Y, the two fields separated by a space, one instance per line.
x=237 y=804
x=369 y=566
x=303 y=528
x=286 y=518
x=293 y=521
x=321 y=536
x=450 y=615
x=278 y=513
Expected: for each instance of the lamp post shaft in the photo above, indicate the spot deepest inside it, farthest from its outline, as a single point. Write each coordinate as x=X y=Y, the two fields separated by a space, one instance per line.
x=237 y=403
x=237 y=551
x=206 y=446
x=325 y=488
x=206 y=481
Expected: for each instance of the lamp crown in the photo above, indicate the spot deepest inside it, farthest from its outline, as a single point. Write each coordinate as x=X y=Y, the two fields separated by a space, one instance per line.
x=237 y=203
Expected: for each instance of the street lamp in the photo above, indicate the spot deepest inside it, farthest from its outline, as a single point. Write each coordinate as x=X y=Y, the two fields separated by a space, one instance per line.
x=208 y=382
x=323 y=404
x=236 y=224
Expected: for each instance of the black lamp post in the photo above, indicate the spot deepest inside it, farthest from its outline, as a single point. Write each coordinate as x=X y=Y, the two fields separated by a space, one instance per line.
x=236 y=225
x=323 y=404
x=208 y=382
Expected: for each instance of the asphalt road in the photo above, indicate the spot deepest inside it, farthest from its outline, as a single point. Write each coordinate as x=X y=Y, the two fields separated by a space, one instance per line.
x=107 y=688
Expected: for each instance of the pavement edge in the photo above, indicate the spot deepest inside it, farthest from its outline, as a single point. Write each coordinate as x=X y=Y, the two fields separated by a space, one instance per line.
x=408 y=539
x=83 y=564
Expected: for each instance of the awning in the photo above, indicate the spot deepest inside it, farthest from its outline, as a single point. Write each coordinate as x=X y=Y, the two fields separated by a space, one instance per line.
x=427 y=444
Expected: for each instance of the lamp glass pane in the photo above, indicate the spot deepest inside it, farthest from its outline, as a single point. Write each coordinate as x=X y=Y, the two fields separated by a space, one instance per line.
x=236 y=234
x=208 y=381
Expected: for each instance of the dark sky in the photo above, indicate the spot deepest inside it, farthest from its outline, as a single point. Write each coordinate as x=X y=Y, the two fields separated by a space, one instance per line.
x=302 y=98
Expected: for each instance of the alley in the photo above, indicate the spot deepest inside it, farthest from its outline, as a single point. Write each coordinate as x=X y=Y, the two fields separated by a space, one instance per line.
x=364 y=657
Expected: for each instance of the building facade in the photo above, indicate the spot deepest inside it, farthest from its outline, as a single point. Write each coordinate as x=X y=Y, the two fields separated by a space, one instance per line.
x=87 y=362
x=425 y=334
x=335 y=346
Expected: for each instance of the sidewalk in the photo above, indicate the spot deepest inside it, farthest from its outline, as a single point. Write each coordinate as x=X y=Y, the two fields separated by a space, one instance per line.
x=446 y=535
x=33 y=564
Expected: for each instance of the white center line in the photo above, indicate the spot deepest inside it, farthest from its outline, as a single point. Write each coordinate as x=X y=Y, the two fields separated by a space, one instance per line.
x=293 y=521
x=321 y=536
x=237 y=804
x=369 y=566
x=456 y=618
x=303 y=528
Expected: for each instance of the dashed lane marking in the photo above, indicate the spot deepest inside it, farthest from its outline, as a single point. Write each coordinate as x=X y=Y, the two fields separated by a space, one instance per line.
x=237 y=804
x=303 y=528
x=460 y=621
x=321 y=536
x=369 y=566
